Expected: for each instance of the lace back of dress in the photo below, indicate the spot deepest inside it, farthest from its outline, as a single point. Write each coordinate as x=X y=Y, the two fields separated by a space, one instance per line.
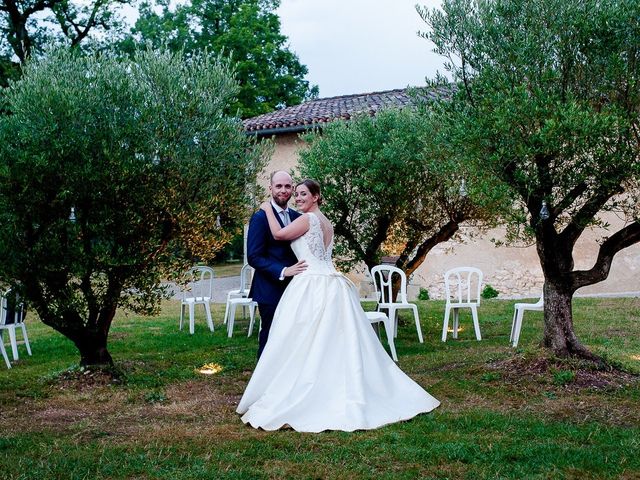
x=315 y=239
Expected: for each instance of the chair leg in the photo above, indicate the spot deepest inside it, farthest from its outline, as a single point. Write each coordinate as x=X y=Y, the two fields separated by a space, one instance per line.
x=445 y=324
x=415 y=316
x=456 y=322
x=252 y=317
x=192 y=320
x=26 y=339
x=207 y=311
x=393 y=317
x=517 y=327
x=379 y=310
x=4 y=355
x=226 y=310
x=513 y=324
x=476 y=324
x=231 y=320
x=181 y=314
x=389 y=331
x=13 y=341
x=4 y=352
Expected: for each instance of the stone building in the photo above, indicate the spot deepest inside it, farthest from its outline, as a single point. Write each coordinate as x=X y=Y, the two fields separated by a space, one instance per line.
x=513 y=271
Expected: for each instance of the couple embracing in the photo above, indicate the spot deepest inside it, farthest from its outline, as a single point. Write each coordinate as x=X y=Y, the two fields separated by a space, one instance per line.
x=322 y=368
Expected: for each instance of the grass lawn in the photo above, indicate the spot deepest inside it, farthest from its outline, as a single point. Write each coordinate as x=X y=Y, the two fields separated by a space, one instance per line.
x=505 y=413
x=227 y=269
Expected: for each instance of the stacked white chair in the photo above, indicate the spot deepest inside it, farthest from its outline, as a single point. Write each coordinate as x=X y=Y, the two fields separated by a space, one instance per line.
x=242 y=291
x=462 y=288
x=11 y=325
x=518 y=313
x=240 y=298
x=231 y=313
x=383 y=278
x=198 y=291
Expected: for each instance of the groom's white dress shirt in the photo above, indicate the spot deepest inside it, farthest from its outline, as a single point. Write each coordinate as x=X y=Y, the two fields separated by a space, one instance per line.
x=284 y=216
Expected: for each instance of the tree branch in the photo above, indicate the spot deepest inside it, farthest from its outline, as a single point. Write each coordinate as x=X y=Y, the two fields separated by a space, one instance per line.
x=66 y=20
x=442 y=235
x=343 y=231
x=585 y=215
x=570 y=197
x=39 y=6
x=622 y=239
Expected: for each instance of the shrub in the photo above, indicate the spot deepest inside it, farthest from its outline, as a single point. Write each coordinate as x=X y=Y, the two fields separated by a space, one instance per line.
x=489 y=292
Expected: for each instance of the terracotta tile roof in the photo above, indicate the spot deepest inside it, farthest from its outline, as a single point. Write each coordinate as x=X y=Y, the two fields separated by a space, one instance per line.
x=323 y=110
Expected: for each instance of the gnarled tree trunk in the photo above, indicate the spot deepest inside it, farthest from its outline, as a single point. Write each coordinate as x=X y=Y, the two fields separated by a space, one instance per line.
x=89 y=336
x=559 y=334
x=561 y=281
x=93 y=349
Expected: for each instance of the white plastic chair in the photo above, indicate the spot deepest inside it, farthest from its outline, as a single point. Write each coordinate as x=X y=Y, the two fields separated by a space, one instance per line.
x=518 y=312
x=383 y=276
x=230 y=315
x=11 y=324
x=243 y=291
x=2 y=316
x=4 y=355
x=381 y=317
x=198 y=292
x=462 y=289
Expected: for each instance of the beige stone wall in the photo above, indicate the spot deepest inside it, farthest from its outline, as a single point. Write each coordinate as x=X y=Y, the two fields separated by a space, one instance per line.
x=285 y=156
x=514 y=271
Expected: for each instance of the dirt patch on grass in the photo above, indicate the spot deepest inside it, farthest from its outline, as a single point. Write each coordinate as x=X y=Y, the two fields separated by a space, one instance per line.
x=199 y=398
x=83 y=379
x=564 y=390
x=602 y=380
x=94 y=403
x=571 y=375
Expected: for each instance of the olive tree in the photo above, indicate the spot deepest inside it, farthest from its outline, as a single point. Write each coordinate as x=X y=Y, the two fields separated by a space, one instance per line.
x=113 y=174
x=391 y=186
x=548 y=103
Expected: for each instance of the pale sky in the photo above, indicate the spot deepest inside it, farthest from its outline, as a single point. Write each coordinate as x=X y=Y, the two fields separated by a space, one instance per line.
x=360 y=46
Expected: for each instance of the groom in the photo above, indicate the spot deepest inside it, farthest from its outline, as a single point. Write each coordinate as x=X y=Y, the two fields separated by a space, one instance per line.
x=273 y=260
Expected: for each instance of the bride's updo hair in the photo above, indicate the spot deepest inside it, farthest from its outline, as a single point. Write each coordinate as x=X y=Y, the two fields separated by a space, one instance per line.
x=313 y=187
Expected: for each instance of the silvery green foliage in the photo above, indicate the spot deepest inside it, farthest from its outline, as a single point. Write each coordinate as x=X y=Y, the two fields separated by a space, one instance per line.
x=393 y=187
x=146 y=157
x=547 y=103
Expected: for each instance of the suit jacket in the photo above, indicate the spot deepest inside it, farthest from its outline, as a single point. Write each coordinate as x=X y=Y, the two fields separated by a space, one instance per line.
x=268 y=257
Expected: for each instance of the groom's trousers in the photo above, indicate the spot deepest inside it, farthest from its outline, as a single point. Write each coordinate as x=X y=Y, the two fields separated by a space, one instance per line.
x=266 y=317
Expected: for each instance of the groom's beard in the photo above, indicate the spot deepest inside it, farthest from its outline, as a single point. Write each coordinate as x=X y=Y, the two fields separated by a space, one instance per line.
x=280 y=202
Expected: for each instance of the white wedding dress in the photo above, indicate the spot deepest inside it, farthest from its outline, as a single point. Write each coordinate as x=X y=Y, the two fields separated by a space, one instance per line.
x=323 y=367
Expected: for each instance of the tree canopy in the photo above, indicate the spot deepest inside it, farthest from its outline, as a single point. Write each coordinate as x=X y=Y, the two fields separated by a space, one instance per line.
x=113 y=174
x=548 y=103
x=391 y=187
x=27 y=26
x=270 y=75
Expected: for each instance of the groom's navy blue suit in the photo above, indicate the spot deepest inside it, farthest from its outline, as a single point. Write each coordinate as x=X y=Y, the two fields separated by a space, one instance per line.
x=268 y=257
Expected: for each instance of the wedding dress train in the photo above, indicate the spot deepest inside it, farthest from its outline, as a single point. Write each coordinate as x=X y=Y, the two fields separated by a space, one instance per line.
x=323 y=367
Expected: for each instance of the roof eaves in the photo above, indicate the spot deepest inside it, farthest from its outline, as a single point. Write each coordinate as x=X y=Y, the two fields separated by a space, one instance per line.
x=277 y=130
x=302 y=127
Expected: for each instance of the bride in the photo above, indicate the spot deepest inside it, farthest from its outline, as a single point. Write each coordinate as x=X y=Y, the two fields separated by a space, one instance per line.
x=323 y=367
